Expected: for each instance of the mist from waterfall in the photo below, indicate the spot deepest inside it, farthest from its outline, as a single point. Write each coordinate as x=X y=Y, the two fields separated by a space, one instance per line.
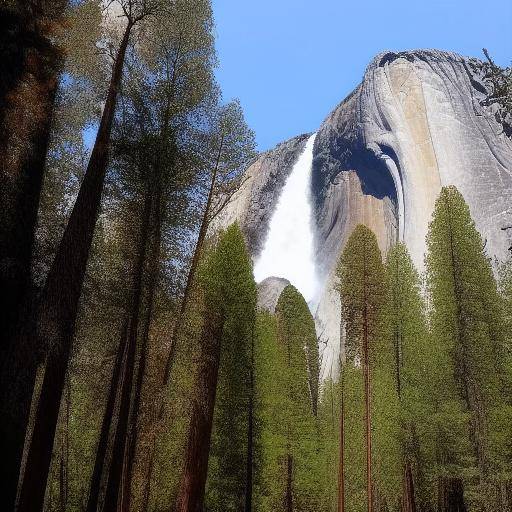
x=288 y=250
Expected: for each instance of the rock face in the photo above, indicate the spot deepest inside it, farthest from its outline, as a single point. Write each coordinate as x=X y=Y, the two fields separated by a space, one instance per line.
x=269 y=291
x=415 y=123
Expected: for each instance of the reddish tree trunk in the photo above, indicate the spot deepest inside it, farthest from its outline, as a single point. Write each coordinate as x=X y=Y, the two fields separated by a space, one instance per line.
x=28 y=82
x=58 y=308
x=193 y=480
x=408 y=500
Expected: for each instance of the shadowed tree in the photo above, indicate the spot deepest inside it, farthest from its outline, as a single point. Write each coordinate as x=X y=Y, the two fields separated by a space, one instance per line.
x=53 y=325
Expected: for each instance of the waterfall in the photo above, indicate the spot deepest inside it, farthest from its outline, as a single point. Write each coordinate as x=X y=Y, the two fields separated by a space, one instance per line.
x=288 y=251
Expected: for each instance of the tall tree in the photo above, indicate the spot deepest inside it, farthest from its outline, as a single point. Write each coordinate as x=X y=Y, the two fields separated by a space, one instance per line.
x=57 y=309
x=362 y=286
x=227 y=275
x=297 y=341
x=227 y=482
x=230 y=145
x=31 y=64
x=466 y=317
x=405 y=332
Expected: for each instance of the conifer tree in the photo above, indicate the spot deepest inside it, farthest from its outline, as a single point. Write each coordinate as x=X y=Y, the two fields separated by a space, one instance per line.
x=405 y=330
x=296 y=335
x=226 y=276
x=269 y=382
x=362 y=285
x=467 y=321
x=227 y=483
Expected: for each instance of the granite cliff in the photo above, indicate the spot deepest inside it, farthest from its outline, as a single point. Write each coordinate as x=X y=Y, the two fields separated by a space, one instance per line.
x=418 y=120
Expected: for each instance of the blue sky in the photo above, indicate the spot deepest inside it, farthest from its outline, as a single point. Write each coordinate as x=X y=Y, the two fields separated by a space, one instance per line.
x=291 y=61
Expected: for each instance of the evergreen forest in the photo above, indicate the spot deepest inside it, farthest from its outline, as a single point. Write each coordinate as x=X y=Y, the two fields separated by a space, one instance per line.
x=137 y=371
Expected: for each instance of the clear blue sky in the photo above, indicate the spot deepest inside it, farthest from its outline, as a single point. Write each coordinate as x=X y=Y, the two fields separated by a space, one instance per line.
x=291 y=61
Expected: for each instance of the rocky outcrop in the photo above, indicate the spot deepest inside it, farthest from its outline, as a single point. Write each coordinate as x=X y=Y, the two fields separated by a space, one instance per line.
x=418 y=120
x=269 y=291
x=252 y=206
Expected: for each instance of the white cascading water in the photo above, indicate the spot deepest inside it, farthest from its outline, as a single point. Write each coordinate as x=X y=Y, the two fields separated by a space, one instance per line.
x=288 y=250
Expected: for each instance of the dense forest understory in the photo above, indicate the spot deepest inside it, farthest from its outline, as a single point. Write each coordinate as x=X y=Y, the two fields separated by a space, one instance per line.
x=137 y=372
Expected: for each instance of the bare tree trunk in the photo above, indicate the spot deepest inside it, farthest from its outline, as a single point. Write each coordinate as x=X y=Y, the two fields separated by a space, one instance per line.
x=191 y=273
x=193 y=480
x=58 y=307
x=101 y=449
x=28 y=83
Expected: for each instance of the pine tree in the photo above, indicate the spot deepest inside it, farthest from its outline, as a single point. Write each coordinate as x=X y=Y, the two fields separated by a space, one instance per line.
x=405 y=330
x=227 y=476
x=296 y=337
x=362 y=286
x=467 y=321
x=227 y=275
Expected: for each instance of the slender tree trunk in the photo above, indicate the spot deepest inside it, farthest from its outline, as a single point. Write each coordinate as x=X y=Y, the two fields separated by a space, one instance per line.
x=367 y=402
x=193 y=480
x=341 y=469
x=101 y=449
x=58 y=307
x=191 y=273
x=116 y=487
x=147 y=484
x=408 y=500
x=64 y=452
x=142 y=366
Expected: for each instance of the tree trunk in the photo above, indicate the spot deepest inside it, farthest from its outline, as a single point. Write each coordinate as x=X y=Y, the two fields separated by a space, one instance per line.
x=58 y=308
x=191 y=273
x=147 y=484
x=28 y=83
x=116 y=487
x=408 y=500
x=31 y=64
x=367 y=411
x=101 y=449
x=141 y=369
x=250 y=435
x=193 y=480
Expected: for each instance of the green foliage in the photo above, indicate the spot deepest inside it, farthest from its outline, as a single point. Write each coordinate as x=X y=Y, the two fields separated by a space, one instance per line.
x=415 y=373
x=236 y=298
x=287 y=427
x=361 y=276
x=469 y=331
